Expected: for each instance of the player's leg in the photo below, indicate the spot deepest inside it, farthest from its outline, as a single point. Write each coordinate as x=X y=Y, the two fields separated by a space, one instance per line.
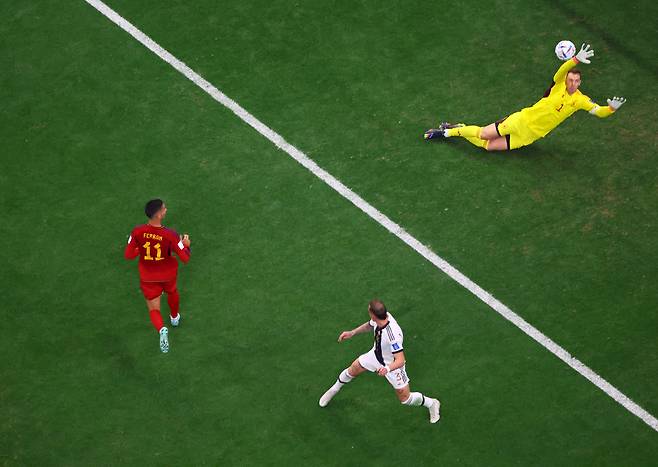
x=501 y=143
x=156 y=318
x=403 y=394
x=476 y=135
x=152 y=292
x=400 y=383
x=497 y=135
x=356 y=369
x=441 y=131
x=153 y=305
x=481 y=137
x=468 y=131
x=407 y=397
x=490 y=131
x=488 y=137
x=345 y=376
x=510 y=133
x=173 y=300
x=447 y=130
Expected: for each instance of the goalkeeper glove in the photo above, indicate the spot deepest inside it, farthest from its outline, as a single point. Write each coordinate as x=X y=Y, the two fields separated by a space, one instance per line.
x=584 y=54
x=616 y=102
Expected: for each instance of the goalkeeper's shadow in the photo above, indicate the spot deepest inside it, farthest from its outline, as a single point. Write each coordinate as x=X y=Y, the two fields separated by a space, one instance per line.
x=527 y=153
x=538 y=161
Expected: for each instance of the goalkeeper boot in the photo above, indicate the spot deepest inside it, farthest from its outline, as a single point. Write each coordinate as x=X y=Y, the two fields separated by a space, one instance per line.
x=434 y=133
x=448 y=125
x=164 y=340
x=175 y=321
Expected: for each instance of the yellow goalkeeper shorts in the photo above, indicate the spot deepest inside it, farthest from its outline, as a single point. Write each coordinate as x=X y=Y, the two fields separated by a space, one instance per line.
x=516 y=131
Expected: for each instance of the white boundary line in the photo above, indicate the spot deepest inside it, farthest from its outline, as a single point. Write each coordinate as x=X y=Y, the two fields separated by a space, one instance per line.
x=380 y=218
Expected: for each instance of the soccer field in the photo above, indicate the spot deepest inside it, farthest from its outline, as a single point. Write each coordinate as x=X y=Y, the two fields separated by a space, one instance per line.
x=563 y=232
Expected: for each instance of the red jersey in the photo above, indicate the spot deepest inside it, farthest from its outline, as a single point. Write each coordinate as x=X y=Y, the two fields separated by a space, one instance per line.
x=155 y=247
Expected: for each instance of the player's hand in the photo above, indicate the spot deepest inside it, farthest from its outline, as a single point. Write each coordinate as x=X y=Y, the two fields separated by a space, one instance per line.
x=616 y=102
x=584 y=54
x=185 y=238
x=382 y=371
x=345 y=335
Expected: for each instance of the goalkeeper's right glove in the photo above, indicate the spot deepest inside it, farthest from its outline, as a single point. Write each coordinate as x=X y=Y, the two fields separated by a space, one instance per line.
x=616 y=102
x=584 y=54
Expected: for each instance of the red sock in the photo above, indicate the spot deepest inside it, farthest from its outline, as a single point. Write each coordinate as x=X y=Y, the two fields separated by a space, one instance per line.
x=173 y=299
x=156 y=319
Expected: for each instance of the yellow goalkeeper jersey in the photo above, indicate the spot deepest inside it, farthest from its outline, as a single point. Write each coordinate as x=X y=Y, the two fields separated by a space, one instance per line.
x=553 y=109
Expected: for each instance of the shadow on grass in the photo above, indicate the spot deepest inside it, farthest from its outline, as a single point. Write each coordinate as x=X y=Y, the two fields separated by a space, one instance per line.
x=526 y=153
x=641 y=60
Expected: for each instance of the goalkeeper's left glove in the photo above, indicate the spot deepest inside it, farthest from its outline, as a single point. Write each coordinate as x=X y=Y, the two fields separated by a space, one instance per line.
x=584 y=54
x=616 y=102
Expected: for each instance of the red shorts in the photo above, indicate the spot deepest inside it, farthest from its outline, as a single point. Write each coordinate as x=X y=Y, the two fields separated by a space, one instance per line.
x=153 y=290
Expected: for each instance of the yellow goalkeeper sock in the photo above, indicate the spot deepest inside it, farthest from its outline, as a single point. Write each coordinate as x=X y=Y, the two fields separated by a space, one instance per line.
x=482 y=143
x=465 y=131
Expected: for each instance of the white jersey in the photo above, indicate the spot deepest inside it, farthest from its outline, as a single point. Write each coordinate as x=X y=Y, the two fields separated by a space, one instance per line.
x=388 y=340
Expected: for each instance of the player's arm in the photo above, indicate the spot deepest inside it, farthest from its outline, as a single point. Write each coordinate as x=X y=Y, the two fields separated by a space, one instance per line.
x=561 y=73
x=581 y=57
x=182 y=248
x=602 y=112
x=365 y=327
x=398 y=362
x=132 y=248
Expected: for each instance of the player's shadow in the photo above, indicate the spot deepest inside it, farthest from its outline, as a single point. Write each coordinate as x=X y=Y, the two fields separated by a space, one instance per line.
x=540 y=159
x=472 y=152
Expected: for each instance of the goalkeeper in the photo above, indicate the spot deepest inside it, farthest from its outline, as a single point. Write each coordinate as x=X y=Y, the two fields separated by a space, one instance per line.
x=528 y=125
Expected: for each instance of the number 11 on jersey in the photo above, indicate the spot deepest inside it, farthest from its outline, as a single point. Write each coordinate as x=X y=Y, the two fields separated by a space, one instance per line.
x=158 y=252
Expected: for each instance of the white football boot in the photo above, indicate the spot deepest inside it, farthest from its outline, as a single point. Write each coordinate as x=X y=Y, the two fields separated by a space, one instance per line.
x=435 y=409
x=175 y=321
x=327 y=396
x=164 y=340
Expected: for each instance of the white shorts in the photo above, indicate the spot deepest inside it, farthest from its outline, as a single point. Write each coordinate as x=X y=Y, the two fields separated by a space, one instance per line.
x=398 y=378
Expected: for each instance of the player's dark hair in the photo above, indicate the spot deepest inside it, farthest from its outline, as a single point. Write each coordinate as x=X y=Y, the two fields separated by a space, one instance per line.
x=152 y=207
x=574 y=71
x=377 y=308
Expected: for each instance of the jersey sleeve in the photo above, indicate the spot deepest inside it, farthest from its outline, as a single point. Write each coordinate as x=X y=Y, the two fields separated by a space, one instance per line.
x=132 y=248
x=181 y=250
x=561 y=73
x=372 y=324
x=396 y=342
x=593 y=108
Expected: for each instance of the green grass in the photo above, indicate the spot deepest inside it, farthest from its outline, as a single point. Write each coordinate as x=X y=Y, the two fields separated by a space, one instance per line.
x=93 y=124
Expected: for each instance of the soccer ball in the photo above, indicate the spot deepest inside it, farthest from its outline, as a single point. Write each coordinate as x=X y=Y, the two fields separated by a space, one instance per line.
x=565 y=50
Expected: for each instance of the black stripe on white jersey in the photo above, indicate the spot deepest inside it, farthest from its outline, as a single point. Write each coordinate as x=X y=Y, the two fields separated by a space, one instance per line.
x=378 y=343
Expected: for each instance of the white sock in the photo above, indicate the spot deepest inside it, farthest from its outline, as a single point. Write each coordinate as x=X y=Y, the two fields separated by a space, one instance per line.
x=427 y=401
x=416 y=398
x=343 y=378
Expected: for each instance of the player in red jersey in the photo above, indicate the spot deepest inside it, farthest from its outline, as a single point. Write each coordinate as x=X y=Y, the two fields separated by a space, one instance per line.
x=158 y=269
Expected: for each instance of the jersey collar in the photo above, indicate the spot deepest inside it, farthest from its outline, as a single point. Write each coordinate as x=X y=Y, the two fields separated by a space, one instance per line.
x=384 y=326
